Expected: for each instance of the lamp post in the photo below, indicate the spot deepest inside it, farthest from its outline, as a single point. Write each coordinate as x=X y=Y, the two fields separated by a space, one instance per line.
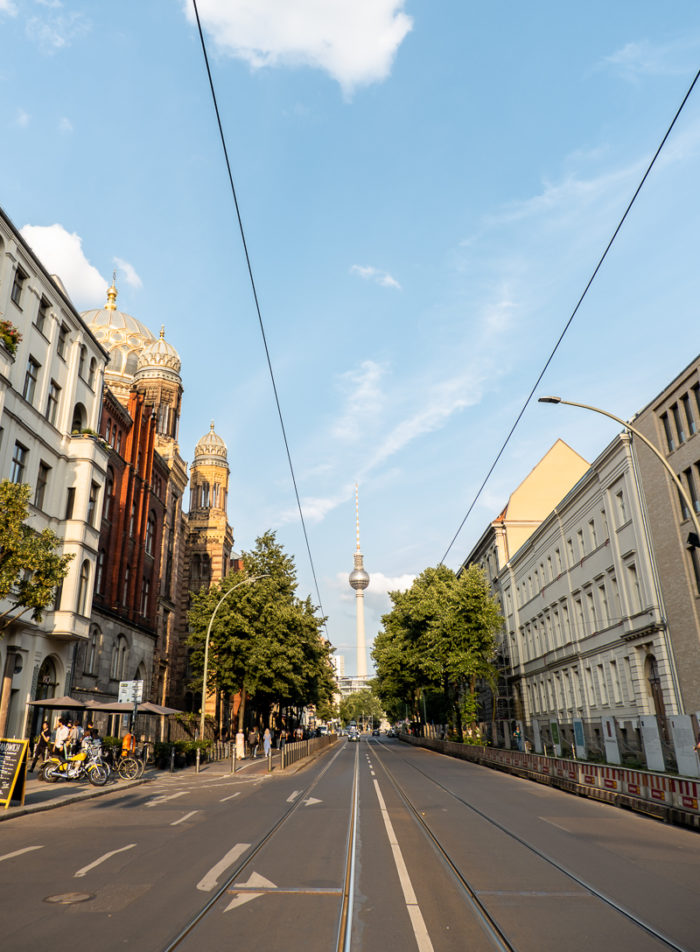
x=246 y=581
x=662 y=459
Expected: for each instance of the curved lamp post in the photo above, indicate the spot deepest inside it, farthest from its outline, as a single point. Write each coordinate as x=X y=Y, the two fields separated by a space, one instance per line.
x=246 y=581
x=662 y=459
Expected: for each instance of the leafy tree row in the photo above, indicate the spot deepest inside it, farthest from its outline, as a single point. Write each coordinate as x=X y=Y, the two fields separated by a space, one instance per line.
x=363 y=707
x=265 y=642
x=437 y=644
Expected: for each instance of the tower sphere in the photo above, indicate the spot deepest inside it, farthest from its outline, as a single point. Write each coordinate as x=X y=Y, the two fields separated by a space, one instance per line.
x=358 y=579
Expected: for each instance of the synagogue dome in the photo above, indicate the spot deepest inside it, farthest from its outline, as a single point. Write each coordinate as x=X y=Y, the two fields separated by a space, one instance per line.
x=211 y=449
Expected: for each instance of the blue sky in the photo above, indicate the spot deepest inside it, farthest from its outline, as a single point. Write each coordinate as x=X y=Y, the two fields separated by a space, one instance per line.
x=425 y=187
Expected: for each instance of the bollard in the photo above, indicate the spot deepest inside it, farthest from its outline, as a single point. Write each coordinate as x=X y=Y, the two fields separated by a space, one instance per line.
x=172 y=759
x=269 y=761
x=233 y=758
x=197 y=765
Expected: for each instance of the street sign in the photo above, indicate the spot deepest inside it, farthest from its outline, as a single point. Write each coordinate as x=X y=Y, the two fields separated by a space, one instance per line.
x=130 y=692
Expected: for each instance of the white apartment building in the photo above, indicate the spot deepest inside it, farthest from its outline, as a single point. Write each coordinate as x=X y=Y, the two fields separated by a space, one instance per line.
x=50 y=402
x=584 y=618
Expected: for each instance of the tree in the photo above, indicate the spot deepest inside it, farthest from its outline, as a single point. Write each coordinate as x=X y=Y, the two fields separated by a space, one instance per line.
x=439 y=637
x=361 y=705
x=30 y=567
x=265 y=641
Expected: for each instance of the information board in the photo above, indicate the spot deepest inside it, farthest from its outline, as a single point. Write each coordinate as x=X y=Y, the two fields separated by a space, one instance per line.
x=13 y=770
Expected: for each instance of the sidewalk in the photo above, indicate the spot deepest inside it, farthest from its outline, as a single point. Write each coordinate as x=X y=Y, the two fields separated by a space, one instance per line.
x=40 y=796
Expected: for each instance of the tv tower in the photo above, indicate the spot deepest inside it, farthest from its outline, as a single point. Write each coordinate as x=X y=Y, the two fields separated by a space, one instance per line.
x=359 y=580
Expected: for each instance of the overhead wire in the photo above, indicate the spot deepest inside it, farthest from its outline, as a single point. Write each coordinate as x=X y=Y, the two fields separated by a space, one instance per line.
x=571 y=318
x=257 y=306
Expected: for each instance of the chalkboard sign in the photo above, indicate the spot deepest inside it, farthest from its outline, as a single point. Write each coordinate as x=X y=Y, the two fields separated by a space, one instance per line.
x=13 y=770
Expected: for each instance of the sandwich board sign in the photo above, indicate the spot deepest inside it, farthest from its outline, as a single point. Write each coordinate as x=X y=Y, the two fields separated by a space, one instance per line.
x=13 y=770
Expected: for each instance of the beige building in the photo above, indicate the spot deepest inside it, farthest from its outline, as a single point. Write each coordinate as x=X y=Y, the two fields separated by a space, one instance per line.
x=672 y=423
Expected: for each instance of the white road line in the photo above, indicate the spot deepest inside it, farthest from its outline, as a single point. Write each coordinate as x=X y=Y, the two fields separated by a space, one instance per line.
x=207 y=883
x=419 y=930
x=27 y=849
x=163 y=799
x=292 y=796
x=86 y=869
x=237 y=794
x=183 y=818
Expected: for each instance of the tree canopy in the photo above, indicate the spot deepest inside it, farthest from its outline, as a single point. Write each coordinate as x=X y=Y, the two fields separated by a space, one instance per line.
x=439 y=640
x=265 y=641
x=361 y=705
x=30 y=567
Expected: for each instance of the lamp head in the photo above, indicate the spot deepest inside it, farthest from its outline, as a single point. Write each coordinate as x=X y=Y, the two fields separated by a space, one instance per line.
x=549 y=400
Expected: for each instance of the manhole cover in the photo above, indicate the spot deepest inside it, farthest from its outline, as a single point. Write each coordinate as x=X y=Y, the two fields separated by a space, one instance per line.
x=70 y=897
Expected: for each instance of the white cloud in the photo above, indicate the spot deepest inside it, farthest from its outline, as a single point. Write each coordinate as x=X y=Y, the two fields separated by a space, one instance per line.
x=645 y=59
x=7 y=6
x=363 y=400
x=23 y=119
x=369 y=273
x=129 y=273
x=65 y=125
x=354 y=41
x=61 y=253
x=377 y=592
x=56 y=31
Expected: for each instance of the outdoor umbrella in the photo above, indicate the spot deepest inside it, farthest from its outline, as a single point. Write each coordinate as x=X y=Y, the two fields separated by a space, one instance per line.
x=63 y=703
x=148 y=707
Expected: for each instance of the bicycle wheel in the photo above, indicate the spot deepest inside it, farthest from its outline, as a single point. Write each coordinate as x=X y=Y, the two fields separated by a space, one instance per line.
x=142 y=767
x=128 y=768
x=97 y=775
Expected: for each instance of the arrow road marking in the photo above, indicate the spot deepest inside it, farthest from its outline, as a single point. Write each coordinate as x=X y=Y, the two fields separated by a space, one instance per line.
x=210 y=880
x=255 y=881
x=86 y=869
x=183 y=818
x=292 y=796
x=158 y=800
x=310 y=801
x=27 y=849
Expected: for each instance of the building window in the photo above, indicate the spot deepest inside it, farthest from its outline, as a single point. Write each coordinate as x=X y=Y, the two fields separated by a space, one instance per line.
x=570 y=550
x=132 y=519
x=90 y=666
x=125 y=587
x=70 y=502
x=118 y=441
x=92 y=503
x=63 y=332
x=120 y=652
x=689 y=416
x=692 y=489
x=52 y=402
x=83 y=587
x=150 y=533
x=30 y=378
x=41 y=483
x=42 y=315
x=581 y=543
x=670 y=442
x=19 y=463
x=17 y=286
x=590 y=609
x=100 y=573
x=615 y=680
x=602 y=685
x=685 y=512
x=79 y=421
x=679 y=424
x=592 y=534
x=145 y=592
x=620 y=508
x=634 y=589
x=603 y=600
x=92 y=372
x=109 y=494
x=81 y=361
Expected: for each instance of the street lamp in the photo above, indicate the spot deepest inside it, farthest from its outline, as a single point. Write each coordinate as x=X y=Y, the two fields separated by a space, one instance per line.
x=246 y=581
x=662 y=459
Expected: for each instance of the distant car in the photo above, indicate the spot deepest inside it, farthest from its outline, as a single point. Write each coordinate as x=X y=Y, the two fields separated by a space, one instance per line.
x=353 y=734
x=375 y=732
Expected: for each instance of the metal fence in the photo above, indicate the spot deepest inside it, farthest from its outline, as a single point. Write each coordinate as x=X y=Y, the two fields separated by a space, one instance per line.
x=291 y=753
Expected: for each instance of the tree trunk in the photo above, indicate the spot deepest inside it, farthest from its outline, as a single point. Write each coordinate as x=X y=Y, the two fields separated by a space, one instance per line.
x=241 y=709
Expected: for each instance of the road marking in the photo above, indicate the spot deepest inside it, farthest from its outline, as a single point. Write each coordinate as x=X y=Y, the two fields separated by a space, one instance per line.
x=310 y=801
x=292 y=796
x=156 y=801
x=183 y=818
x=210 y=880
x=417 y=922
x=27 y=849
x=86 y=869
x=255 y=881
x=236 y=794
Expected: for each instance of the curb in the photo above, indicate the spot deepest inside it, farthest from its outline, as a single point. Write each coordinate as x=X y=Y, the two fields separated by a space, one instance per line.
x=27 y=808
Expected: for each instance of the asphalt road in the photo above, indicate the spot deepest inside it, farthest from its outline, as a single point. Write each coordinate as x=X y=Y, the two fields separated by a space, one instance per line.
x=374 y=846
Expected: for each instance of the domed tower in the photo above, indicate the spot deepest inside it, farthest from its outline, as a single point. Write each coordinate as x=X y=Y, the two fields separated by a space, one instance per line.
x=359 y=580
x=124 y=338
x=210 y=535
x=158 y=377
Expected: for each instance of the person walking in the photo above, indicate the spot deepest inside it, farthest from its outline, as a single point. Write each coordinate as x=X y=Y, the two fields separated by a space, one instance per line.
x=253 y=742
x=62 y=732
x=42 y=746
x=267 y=742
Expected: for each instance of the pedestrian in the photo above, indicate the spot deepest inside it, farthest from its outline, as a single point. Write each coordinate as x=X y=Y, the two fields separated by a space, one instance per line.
x=128 y=744
x=62 y=732
x=42 y=746
x=253 y=742
x=267 y=742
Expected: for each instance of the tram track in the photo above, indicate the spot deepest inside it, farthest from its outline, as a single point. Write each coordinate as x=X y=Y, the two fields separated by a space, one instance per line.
x=488 y=921
x=345 y=890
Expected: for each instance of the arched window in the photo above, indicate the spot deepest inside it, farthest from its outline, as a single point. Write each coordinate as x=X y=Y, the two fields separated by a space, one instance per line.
x=81 y=361
x=205 y=495
x=92 y=372
x=100 y=573
x=109 y=494
x=79 y=418
x=83 y=587
x=91 y=651
x=215 y=496
x=150 y=532
x=120 y=653
x=125 y=588
x=145 y=593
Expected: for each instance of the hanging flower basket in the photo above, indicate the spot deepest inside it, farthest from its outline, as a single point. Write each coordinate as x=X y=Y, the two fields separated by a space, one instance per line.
x=9 y=336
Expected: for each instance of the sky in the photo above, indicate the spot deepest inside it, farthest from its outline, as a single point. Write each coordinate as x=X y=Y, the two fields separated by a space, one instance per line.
x=425 y=187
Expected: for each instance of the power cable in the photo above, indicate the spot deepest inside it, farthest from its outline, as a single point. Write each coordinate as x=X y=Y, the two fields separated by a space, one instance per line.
x=571 y=318
x=257 y=306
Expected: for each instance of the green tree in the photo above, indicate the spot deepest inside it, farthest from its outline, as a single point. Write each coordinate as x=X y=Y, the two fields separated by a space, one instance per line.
x=30 y=567
x=439 y=637
x=265 y=641
x=361 y=706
